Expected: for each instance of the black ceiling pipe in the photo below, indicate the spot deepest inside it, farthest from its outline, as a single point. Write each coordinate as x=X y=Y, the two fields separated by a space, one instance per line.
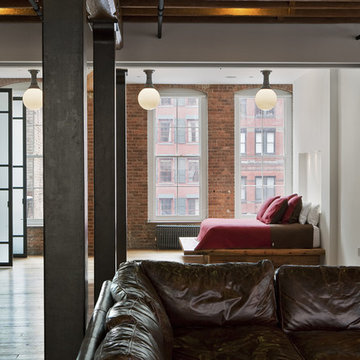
x=36 y=7
x=160 y=17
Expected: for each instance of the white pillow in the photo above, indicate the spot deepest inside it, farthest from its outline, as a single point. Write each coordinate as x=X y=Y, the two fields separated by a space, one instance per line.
x=314 y=214
x=304 y=212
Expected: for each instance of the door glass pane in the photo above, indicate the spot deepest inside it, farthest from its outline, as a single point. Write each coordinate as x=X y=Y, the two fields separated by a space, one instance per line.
x=4 y=101
x=17 y=109
x=4 y=177
x=18 y=217
x=18 y=177
x=18 y=245
x=4 y=138
x=4 y=216
x=17 y=142
x=4 y=253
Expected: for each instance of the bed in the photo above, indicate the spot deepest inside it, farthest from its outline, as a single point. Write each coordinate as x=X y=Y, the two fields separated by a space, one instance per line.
x=223 y=240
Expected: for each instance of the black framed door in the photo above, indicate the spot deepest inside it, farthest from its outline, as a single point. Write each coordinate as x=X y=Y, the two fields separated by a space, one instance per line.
x=6 y=250
x=19 y=239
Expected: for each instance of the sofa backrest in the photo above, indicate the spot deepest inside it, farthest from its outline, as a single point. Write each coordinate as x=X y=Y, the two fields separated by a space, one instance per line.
x=129 y=285
x=216 y=294
x=318 y=297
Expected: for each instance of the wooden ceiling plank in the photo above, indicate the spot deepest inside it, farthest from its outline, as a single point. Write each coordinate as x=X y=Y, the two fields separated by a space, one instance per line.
x=243 y=20
x=29 y=11
x=19 y=19
x=243 y=4
x=241 y=12
x=14 y=3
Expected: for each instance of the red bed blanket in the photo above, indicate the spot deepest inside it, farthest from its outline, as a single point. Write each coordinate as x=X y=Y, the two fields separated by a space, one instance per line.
x=233 y=233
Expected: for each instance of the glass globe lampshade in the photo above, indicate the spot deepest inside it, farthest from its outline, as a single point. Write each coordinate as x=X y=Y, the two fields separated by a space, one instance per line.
x=149 y=98
x=265 y=99
x=32 y=98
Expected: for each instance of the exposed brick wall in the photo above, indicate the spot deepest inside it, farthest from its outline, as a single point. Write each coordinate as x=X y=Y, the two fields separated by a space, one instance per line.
x=221 y=153
x=90 y=134
x=35 y=240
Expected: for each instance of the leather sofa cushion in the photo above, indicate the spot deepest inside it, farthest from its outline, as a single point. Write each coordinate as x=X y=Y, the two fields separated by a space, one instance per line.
x=253 y=342
x=136 y=311
x=129 y=341
x=318 y=297
x=328 y=345
x=131 y=283
x=215 y=294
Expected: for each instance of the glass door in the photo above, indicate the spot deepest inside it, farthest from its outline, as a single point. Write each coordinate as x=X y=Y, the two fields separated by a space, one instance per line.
x=5 y=177
x=19 y=178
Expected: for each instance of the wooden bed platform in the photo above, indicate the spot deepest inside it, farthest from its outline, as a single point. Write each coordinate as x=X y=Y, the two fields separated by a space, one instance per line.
x=277 y=256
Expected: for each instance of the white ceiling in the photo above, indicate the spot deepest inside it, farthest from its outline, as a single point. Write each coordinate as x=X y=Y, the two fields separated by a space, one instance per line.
x=186 y=75
x=213 y=75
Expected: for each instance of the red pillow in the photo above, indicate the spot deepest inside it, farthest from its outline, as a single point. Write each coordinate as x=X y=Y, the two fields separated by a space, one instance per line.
x=290 y=196
x=264 y=206
x=293 y=211
x=275 y=211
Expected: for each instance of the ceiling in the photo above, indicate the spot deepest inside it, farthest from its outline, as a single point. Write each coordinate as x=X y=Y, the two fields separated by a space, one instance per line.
x=213 y=75
x=196 y=11
x=253 y=11
x=185 y=75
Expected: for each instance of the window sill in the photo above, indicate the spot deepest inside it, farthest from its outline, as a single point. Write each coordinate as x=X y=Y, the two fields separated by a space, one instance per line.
x=174 y=221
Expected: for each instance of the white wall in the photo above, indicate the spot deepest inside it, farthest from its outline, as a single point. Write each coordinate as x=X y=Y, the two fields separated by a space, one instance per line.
x=349 y=169
x=241 y=42
x=311 y=133
x=208 y=42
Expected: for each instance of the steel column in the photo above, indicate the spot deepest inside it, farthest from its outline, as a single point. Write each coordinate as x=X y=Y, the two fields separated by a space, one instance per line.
x=104 y=154
x=121 y=164
x=65 y=178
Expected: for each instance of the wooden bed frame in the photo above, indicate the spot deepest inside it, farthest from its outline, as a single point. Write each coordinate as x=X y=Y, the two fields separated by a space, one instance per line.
x=277 y=256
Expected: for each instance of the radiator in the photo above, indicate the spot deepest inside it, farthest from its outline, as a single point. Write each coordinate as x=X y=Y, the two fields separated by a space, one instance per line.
x=167 y=236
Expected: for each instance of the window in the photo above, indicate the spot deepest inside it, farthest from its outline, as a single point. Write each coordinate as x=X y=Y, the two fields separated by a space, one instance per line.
x=263 y=151
x=268 y=145
x=164 y=131
x=177 y=164
x=193 y=131
x=165 y=101
x=258 y=142
x=193 y=206
x=34 y=163
x=264 y=188
x=243 y=188
x=165 y=175
x=166 y=206
x=264 y=114
x=243 y=141
x=193 y=171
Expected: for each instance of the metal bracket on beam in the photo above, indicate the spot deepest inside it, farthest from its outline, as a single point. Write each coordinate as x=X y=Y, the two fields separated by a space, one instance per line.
x=160 y=17
x=36 y=8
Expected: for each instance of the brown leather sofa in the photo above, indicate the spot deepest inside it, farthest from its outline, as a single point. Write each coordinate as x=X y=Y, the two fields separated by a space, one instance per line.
x=167 y=310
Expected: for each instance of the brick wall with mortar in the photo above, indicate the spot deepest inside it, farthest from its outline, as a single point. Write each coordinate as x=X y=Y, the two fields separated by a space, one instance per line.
x=221 y=147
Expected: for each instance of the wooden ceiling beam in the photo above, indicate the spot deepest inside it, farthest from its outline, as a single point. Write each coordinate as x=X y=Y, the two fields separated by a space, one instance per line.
x=243 y=4
x=244 y=20
x=241 y=12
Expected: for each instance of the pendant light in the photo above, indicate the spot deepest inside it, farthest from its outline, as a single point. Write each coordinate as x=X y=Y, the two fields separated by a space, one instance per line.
x=32 y=97
x=266 y=98
x=149 y=97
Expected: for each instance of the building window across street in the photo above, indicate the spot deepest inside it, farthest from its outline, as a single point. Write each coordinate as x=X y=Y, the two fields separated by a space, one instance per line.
x=263 y=158
x=177 y=170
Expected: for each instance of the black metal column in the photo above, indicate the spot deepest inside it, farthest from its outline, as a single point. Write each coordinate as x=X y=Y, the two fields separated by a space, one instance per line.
x=104 y=154
x=65 y=179
x=121 y=164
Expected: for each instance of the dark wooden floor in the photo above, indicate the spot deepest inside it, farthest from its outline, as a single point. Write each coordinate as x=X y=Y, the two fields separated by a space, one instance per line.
x=22 y=309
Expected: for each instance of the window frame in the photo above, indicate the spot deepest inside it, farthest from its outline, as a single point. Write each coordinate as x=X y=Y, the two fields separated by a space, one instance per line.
x=288 y=144
x=203 y=160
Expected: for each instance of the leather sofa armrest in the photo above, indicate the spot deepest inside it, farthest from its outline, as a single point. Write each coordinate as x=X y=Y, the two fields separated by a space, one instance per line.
x=95 y=331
